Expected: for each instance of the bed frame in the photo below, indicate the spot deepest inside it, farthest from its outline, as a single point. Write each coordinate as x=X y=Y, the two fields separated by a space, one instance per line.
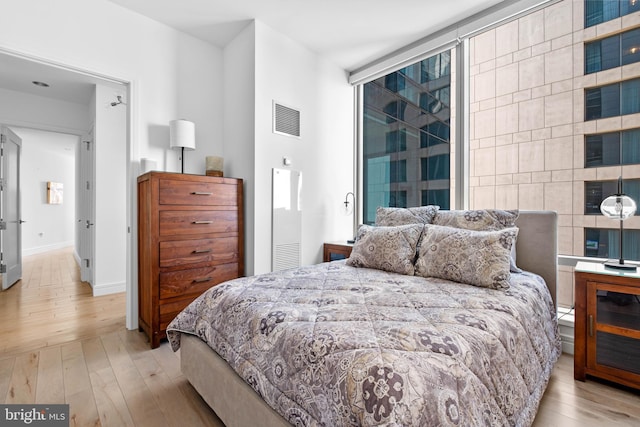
x=238 y=405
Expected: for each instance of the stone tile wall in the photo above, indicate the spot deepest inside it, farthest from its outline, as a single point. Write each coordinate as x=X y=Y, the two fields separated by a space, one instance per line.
x=527 y=121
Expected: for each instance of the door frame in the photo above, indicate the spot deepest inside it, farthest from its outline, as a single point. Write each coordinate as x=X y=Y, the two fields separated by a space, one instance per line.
x=85 y=235
x=132 y=165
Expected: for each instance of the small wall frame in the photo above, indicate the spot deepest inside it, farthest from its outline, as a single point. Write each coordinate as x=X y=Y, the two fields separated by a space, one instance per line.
x=54 y=193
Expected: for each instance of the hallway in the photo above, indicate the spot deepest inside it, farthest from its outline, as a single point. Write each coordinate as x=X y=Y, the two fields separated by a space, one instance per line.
x=50 y=306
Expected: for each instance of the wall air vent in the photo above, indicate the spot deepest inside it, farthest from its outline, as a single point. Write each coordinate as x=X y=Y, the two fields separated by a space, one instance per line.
x=286 y=120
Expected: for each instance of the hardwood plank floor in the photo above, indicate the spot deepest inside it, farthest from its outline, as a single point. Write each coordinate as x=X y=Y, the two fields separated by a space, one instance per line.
x=80 y=353
x=50 y=305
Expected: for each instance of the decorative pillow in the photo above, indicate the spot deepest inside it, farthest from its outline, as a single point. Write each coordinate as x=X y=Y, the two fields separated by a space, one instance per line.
x=481 y=219
x=386 y=248
x=479 y=258
x=404 y=216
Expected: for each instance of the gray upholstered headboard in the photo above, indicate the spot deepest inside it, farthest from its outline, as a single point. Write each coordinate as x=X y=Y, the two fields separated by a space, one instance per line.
x=537 y=247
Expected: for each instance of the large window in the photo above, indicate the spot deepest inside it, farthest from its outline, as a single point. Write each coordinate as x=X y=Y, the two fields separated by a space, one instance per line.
x=612 y=100
x=406 y=137
x=605 y=243
x=612 y=52
x=613 y=148
x=596 y=191
x=599 y=11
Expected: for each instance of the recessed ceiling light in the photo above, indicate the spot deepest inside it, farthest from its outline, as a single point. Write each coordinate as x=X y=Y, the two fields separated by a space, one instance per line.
x=41 y=84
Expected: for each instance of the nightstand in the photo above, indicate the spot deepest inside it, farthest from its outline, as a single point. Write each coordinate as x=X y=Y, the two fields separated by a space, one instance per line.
x=607 y=324
x=334 y=251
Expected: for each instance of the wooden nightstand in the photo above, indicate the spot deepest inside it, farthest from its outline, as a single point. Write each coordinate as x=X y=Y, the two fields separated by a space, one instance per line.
x=607 y=324
x=336 y=250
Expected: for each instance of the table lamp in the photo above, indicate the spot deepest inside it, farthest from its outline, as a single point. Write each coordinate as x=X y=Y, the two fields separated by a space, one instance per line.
x=182 y=135
x=619 y=206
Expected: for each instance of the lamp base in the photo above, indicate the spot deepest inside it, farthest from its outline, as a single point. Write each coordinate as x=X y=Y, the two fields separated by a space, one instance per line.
x=616 y=265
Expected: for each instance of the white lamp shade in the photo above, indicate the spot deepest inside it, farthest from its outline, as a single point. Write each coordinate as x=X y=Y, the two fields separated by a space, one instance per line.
x=618 y=206
x=182 y=134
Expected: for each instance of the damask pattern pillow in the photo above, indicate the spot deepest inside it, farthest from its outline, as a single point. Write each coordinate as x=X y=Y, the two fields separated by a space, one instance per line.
x=386 y=248
x=481 y=219
x=403 y=216
x=479 y=258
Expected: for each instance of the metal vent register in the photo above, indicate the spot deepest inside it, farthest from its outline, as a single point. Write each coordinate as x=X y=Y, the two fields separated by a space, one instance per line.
x=286 y=120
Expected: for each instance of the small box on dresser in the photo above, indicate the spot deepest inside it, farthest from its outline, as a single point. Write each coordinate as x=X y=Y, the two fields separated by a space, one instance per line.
x=607 y=324
x=190 y=238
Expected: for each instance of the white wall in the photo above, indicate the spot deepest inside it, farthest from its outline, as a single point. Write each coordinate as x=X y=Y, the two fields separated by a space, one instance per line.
x=110 y=142
x=293 y=75
x=173 y=75
x=239 y=130
x=262 y=65
x=46 y=156
x=178 y=76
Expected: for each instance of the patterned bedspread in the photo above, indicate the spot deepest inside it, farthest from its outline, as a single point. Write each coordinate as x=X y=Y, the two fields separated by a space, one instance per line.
x=333 y=345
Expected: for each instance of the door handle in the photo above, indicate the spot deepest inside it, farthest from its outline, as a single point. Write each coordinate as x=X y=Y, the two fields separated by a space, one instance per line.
x=21 y=221
x=202 y=222
x=201 y=193
x=89 y=224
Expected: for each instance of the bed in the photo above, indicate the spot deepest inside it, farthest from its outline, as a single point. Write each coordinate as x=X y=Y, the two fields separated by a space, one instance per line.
x=343 y=343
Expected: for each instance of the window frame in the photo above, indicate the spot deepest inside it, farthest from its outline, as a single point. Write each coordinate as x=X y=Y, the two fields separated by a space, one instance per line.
x=615 y=107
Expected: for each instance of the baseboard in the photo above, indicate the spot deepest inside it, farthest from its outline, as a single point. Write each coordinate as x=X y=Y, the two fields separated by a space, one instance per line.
x=109 y=288
x=567 y=331
x=46 y=248
x=567 y=343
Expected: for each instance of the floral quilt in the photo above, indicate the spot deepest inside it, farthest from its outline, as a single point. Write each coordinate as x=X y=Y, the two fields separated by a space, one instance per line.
x=334 y=345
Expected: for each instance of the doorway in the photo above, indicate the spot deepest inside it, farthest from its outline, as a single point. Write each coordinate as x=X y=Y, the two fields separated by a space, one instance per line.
x=98 y=112
x=48 y=186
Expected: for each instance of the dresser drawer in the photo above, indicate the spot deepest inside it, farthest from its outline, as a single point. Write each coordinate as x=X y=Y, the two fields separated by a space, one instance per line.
x=195 y=280
x=198 y=222
x=169 y=311
x=196 y=193
x=181 y=253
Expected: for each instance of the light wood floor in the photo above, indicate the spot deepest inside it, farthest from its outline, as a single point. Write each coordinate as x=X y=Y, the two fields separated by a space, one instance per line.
x=58 y=344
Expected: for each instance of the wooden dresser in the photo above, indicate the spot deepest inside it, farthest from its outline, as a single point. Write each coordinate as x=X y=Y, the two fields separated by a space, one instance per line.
x=190 y=238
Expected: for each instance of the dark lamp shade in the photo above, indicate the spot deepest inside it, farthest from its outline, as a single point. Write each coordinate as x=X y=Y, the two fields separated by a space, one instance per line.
x=618 y=206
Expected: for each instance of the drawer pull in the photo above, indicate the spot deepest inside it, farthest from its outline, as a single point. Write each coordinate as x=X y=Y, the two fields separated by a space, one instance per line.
x=591 y=325
x=204 y=279
x=200 y=193
x=201 y=251
x=202 y=222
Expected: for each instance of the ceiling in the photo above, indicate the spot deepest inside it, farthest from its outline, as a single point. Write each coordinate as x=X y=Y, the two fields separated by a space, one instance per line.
x=18 y=74
x=350 y=33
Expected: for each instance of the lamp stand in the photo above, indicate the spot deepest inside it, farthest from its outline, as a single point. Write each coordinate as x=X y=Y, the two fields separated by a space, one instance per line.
x=182 y=164
x=620 y=265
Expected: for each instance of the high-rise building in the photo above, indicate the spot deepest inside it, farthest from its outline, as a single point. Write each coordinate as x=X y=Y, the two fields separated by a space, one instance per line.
x=555 y=120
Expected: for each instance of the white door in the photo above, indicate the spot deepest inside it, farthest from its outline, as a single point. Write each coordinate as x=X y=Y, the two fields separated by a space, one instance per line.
x=86 y=199
x=10 y=215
